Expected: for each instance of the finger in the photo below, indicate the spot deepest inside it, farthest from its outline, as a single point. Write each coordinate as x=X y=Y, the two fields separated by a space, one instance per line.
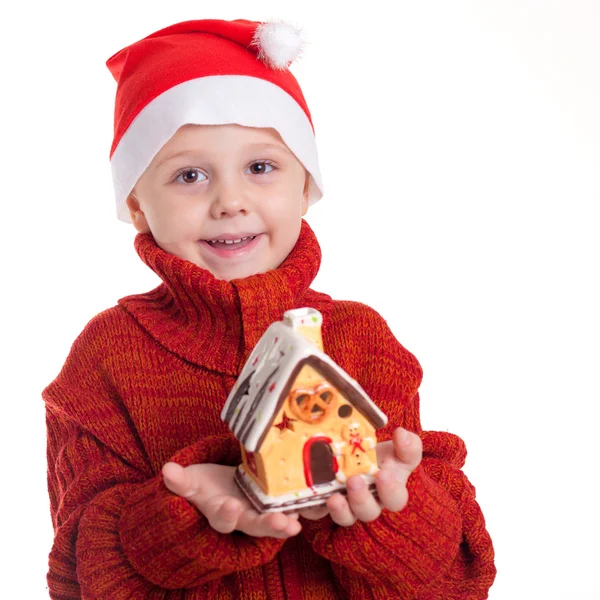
x=223 y=513
x=280 y=525
x=391 y=488
x=408 y=448
x=314 y=513
x=247 y=522
x=176 y=479
x=361 y=501
x=276 y=525
x=339 y=511
x=292 y=526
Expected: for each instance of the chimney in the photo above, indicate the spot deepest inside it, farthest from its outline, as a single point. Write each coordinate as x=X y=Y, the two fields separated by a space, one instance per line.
x=307 y=322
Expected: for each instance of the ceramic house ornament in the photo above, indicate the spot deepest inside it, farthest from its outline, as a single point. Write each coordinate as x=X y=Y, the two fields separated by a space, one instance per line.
x=303 y=423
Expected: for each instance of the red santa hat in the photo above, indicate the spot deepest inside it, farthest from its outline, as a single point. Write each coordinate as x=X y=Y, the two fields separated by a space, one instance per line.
x=208 y=72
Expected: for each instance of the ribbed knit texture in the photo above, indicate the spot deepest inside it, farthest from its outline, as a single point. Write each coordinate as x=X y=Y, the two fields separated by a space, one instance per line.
x=145 y=382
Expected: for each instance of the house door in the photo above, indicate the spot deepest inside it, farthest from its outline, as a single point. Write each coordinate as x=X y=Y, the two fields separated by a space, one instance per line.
x=320 y=465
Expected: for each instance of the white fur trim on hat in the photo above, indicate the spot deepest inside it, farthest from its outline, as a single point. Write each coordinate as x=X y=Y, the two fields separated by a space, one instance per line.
x=215 y=100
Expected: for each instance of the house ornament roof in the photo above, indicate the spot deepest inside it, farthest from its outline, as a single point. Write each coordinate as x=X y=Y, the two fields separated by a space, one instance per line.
x=269 y=373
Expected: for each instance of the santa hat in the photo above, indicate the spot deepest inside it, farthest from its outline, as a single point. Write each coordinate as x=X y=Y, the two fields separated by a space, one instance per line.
x=208 y=72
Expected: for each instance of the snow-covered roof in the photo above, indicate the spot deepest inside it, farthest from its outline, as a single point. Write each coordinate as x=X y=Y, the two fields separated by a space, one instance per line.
x=268 y=375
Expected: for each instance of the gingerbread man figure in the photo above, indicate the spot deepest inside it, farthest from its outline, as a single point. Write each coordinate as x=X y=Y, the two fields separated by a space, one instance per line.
x=354 y=453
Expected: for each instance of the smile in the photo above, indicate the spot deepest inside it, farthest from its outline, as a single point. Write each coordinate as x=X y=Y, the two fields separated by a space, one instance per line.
x=230 y=242
x=232 y=248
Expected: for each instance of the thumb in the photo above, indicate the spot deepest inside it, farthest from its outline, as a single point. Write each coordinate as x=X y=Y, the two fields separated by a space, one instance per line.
x=408 y=448
x=177 y=480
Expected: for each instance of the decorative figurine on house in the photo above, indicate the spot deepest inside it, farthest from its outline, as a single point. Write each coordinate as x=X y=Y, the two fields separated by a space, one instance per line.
x=304 y=424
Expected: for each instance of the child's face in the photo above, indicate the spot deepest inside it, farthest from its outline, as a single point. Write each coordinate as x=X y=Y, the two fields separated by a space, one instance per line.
x=227 y=182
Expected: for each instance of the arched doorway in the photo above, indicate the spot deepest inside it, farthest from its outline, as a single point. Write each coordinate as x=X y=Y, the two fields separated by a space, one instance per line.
x=320 y=465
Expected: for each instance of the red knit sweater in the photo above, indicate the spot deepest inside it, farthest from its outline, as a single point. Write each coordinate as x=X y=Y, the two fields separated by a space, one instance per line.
x=145 y=382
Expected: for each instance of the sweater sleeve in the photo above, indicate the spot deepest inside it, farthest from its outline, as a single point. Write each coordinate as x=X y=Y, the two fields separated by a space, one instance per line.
x=437 y=547
x=118 y=531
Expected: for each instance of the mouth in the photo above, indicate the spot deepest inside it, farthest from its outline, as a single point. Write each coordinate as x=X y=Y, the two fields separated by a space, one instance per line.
x=231 y=243
x=230 y=246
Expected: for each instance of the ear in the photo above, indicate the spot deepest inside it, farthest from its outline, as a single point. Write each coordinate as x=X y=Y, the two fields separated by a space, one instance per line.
x=138 y=218
x=305 y=194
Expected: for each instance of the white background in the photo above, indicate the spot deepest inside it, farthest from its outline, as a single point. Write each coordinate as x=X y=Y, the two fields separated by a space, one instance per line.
x=460 y=148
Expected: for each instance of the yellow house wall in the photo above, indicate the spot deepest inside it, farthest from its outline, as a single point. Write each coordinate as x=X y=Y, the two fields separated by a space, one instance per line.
x=280 y=458
x=259 y=476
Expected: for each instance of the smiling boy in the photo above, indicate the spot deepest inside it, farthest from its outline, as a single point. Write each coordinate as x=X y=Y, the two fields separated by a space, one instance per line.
x=214 y=163
x=236 y=215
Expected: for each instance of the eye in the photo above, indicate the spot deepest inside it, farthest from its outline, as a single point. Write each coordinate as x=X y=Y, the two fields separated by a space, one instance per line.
x=260 y=168
x=190 y=176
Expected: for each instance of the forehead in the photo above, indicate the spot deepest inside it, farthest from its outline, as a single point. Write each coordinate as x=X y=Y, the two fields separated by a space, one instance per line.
x=217 y=140
x=199 y=136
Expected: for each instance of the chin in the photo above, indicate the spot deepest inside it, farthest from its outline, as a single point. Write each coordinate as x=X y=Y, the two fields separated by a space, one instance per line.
x=248 y=272
x=234 y=274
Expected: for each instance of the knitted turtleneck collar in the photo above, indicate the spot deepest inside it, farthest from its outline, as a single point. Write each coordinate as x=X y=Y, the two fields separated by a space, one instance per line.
x=216 y=323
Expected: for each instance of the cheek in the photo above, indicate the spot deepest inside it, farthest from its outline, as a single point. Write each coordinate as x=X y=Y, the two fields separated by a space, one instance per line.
x=285 y=231
x=284 y=204
x=173 y=224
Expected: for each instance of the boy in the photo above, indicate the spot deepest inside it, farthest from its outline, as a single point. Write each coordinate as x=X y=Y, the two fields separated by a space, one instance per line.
x=214 y=162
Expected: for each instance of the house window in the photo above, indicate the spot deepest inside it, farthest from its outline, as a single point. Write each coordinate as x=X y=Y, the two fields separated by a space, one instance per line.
x=344 y=411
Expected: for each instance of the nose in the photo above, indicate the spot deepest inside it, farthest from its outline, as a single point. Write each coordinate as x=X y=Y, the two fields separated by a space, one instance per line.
x=229 y=201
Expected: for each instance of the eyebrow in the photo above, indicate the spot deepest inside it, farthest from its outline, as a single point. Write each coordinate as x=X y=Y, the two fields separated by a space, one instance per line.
x=255 y=146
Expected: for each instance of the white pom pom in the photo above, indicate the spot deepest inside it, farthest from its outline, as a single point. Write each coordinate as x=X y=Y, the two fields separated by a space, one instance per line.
x=278 y=43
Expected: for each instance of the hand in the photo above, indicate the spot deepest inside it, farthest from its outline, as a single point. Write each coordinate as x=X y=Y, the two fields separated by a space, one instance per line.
x=213 y=491
x=397 y=459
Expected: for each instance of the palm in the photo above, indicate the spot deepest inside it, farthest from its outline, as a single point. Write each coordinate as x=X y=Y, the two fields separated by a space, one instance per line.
x=213 y=491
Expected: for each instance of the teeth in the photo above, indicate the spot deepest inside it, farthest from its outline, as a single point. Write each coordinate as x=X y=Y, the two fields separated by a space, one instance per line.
x=231 y=241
